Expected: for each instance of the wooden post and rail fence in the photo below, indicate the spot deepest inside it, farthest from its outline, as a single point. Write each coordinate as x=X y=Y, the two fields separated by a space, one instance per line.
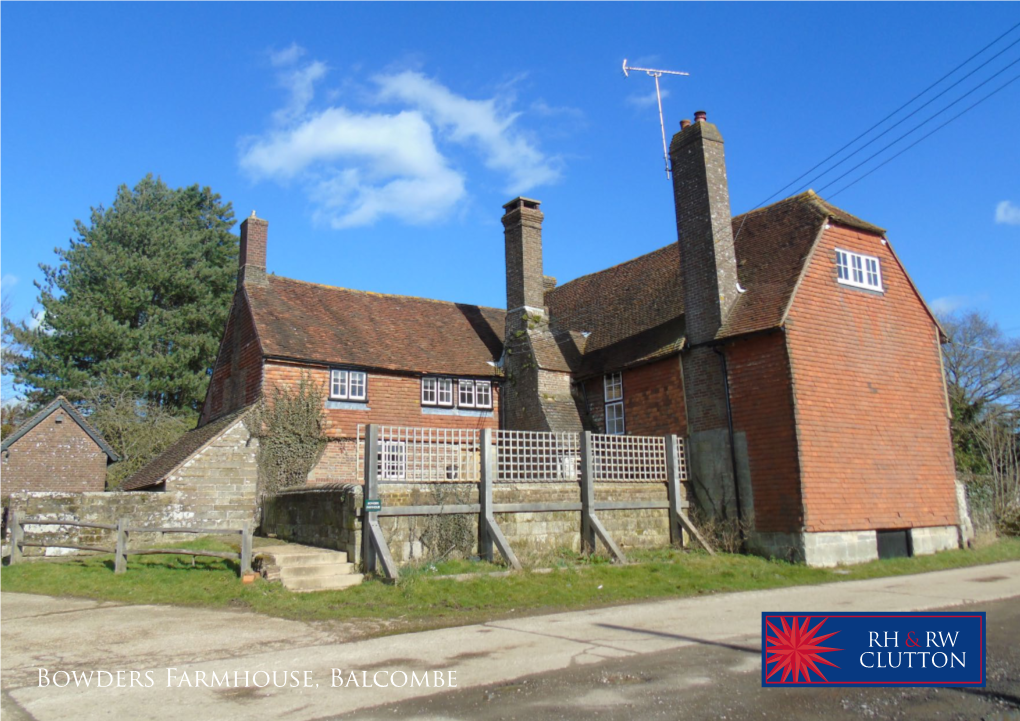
x=393 y=455
x=121 y=549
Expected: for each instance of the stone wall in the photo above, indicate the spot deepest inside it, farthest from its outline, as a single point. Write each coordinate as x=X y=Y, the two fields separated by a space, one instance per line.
x=325 y=516
x=138 y=509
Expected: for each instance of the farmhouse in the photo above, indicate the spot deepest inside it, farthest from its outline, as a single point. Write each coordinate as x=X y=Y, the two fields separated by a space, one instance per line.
x=787 y=345
x=56 y=450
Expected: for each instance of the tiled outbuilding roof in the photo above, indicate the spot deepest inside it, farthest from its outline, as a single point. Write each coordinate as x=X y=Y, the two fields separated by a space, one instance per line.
x=156 y=471
x=320 y=323
x=634 y=311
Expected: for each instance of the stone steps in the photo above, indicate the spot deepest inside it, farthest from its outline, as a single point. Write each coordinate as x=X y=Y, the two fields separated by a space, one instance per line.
x=304 y=568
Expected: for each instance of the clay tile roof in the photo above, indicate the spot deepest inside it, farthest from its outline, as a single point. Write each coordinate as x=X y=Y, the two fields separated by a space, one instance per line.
x=156 y=470
x=640 y=300
x=634 y=311
x=312 y=322
x=61 y=403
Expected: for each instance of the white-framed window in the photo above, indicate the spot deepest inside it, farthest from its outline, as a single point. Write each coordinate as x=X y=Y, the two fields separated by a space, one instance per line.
x=438 y=391
x=614 y=387
x=483 y=394
x=614 y=419
x=445 y=392
x=429 y=391
x=347 y=385
x=392 y=460
x=466 y=394
x=860 y=271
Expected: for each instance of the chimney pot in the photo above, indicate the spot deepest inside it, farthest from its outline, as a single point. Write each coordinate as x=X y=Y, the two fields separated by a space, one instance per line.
x=700 y=116
x=684 y=124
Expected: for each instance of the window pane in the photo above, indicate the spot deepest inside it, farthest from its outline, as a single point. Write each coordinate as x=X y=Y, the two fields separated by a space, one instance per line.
x=357 y=381
x=340 y=384
x=483 y=394
x=445 y=391
x=614 y=387
x=858 y=268
x=466 y=397
x=843 y=264
x=614 y=419
x=428 y=391
x=334 y=384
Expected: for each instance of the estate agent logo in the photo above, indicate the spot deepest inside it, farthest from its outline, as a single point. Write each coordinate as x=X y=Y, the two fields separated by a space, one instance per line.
x=873 y=649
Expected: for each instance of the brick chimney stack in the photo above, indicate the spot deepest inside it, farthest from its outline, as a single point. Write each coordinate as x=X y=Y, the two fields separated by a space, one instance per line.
x=252 y=258
x=522 y=224
x=703 y=224
x=709 y=276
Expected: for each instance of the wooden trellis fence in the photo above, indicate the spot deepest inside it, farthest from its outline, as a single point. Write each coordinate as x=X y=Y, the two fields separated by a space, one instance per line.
x=489 y=458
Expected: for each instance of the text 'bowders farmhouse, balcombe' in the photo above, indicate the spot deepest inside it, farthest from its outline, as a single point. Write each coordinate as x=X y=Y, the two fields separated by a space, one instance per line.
x=787 y=345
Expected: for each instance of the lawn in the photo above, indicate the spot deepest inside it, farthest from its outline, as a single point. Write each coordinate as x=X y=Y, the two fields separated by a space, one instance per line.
x=424 y=599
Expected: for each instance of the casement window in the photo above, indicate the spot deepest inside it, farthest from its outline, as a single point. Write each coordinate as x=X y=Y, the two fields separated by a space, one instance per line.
x=392 y=460
x=860 y=271
x=346 y=385
x=437 y=391
x=613 y=384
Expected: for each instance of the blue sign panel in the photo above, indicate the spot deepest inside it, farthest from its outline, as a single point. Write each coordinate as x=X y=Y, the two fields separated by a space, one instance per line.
x=873 y=649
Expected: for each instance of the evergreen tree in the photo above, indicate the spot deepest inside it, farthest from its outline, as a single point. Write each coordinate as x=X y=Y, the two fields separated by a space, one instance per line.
x=137 y=302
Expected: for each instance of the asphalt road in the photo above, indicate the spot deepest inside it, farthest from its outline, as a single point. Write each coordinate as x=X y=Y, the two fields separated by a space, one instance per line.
x=722 y=680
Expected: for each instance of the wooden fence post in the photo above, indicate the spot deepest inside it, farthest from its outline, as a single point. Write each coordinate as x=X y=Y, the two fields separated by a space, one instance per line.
x=371 y=491
x=120 y=551
x=485 y=496
x=246 y=548
x=587 y=494
x=17 y=536
x=673 y=490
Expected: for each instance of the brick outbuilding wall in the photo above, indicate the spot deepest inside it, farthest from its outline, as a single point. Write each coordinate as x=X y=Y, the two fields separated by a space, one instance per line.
x=54 y=456
x=875 y=450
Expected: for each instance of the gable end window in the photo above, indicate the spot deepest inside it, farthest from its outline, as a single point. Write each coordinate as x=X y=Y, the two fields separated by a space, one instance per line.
x=347 y=385
x=437 y=391
x=859 y=271
x=613 y=384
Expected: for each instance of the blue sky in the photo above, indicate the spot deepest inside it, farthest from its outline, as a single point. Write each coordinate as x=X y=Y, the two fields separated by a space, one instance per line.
x=381 y=140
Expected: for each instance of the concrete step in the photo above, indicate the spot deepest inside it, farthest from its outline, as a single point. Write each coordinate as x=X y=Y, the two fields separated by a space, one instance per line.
x=304 y=568
x=320 y=570
x=336 y=583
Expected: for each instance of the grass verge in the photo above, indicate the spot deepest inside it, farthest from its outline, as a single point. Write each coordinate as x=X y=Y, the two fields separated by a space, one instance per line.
x=421 y=601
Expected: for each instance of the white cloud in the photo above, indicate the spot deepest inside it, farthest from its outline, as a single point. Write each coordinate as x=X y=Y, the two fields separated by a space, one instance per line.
x=359 y=166
x=482 y=123
x=8 y=280
x=36 y=319
x=287 y=56
x=644 y=100
x=1007 y=213
x=948 y=303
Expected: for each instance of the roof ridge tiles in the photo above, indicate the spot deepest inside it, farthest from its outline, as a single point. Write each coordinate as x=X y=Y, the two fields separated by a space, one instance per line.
x=277 y=278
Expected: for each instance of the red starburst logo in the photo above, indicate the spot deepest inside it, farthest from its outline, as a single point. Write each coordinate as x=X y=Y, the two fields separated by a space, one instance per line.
x=795 y=650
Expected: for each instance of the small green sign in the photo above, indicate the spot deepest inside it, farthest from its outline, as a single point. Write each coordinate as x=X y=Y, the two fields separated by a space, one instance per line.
x=373 y=504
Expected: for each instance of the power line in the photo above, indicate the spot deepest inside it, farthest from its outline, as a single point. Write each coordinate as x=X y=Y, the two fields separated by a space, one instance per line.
x=927 y=135
x=915 y=112
x=811 y=170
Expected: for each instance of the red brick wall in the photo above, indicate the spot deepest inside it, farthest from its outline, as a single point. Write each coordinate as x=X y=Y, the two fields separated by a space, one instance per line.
x=54 y=457
x=874 y=438
x=237 y=374
x=392 y=400
x=762 y=401
x=653 y=400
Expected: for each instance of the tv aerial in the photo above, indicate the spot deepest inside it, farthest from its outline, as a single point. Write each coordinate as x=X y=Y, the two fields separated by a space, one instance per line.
x=658 y=96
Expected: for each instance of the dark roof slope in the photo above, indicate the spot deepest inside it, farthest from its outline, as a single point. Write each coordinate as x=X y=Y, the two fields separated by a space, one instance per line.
x=311 y=322
x=642 y=298
x=634 y=311
x=156 y=470
x=61 y=403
